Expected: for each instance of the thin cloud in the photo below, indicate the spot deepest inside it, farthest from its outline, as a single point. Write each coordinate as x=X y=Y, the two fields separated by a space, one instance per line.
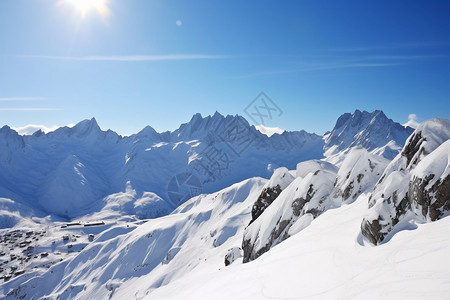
x=388 y=47
x=12 y=99
x=28 y=108
x=134 y=58
x=32 y=128
x=327 y=62
x=321 y=67
x=399 y=57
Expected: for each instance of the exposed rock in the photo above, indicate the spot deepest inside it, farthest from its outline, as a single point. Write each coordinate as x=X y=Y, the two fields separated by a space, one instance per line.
x=433 y=201
x=264 y=200
x=308 y=195
x=413 y=147
x=359 y=172
x=280 y=179
x=416 y=183
x=232 y=254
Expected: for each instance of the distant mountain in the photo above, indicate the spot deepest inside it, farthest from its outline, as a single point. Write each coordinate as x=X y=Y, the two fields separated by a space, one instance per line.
x=373 y=131
x=82 y=170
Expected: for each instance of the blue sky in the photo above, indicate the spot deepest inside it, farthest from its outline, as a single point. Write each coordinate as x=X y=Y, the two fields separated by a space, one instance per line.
x=159 y=62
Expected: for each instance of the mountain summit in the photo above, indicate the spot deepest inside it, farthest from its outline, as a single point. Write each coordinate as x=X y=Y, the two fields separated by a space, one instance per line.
x=372 y=131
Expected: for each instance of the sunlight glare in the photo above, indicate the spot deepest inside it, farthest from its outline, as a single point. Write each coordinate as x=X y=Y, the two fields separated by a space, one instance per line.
x=86 y=6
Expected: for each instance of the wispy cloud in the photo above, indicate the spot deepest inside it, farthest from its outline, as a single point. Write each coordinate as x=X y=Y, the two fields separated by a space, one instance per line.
x=398 y=57
x=13 y=99
x=132 y=58
x=334 y=62
x=320 y=67
x=394 y=46
x=28 y=108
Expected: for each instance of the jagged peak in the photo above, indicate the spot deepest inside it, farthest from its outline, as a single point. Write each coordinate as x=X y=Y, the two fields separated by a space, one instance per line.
x=370 y=130
x=199 y=125
x=8 y=131
x=148 y=132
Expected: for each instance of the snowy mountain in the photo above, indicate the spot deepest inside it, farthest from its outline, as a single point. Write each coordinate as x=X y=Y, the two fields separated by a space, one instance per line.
x=318 y=187
x=315 y=221
x=372 y=131
x=82 y=170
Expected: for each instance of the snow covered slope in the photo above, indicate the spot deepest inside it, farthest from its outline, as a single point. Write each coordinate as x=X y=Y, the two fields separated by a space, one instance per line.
x=128 y=259
x=300 y=233
x=319 y=186
x=327 y=261
x=84 y=170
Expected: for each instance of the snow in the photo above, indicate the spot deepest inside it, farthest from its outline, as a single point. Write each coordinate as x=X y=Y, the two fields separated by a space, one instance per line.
x=123 y=242
x=398 y=178
x=358 y=173
x=311 y=166
x=436 y=163
x=372 y=131
x=431 y=134
x=140 y=257
x=327 y=261
x=281 y=177
x=81 y=170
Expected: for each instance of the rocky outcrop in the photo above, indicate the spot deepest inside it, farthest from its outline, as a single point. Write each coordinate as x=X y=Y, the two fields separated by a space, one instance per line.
x=280 y=179
x=318 y=186
x=306 y=196
x=232 y=255
x=359 y=171
x=415 y=184
x=264 y=200
x=433 y=201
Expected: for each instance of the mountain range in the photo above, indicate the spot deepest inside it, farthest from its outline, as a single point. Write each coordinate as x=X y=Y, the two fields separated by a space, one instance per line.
x=71 y=172
x=357 y=213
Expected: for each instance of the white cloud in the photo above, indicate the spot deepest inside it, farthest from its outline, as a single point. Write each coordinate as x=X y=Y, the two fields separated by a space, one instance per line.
x=28 y=108
x=269 y=131
x=13 y=99
x=412 y=121
x=31 y=128
x=132 y=58
x=179 y=23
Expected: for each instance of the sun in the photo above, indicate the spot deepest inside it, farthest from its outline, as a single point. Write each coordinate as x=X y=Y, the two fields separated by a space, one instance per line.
x=84 y=7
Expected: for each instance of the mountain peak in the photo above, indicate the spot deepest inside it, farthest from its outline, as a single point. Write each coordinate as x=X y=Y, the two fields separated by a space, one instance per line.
x=369 y=130
x=200 y=126
x=86 y=126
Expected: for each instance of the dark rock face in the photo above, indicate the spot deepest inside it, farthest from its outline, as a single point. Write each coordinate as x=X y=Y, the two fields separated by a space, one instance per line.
x=372 y=231
x=410 y=150
x=302 y=198
x=434 y=201
x=299 y=203
x=268 y=195
x=431 y=203
x=232 y=254
x=377 y=230
x=249 y=248
x=400 y=207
